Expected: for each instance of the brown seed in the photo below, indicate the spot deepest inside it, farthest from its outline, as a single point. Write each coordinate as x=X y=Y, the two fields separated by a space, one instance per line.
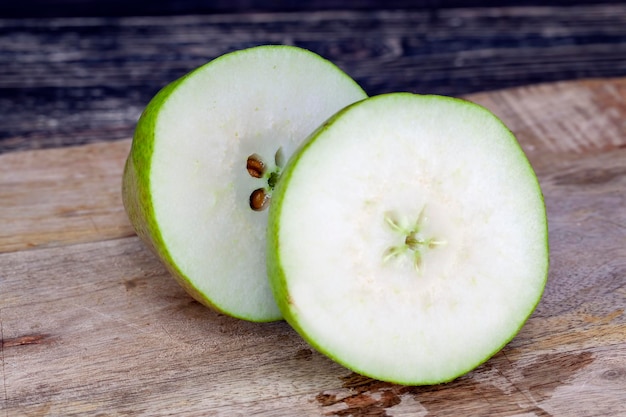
x=255 y=166
x=259 y=200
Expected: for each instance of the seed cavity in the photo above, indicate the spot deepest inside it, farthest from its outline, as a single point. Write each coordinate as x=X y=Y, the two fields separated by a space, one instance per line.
x=414 y=243
x=256 y=167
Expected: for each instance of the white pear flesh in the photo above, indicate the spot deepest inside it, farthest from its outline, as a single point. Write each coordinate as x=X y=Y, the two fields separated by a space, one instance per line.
x=407 y=239
x=186 y=187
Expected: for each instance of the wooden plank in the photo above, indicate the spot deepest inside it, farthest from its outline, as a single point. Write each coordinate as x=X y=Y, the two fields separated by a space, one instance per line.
x=84 y=80
x=564 y=119
x=110 y=330
x=92 y=324
x=48 y=8
x=62 y=195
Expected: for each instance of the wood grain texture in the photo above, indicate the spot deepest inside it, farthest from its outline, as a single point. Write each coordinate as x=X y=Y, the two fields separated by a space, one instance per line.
x=92 y=324
x=64 y=195
x=82 y=8
x=69 y=81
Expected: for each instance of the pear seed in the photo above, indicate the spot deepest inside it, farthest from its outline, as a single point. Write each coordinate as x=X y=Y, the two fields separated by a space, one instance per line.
x=259 y=199
x=255 y=166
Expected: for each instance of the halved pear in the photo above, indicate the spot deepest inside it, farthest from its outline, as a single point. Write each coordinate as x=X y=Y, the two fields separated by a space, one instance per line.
x=206 y=154
x=407 y=238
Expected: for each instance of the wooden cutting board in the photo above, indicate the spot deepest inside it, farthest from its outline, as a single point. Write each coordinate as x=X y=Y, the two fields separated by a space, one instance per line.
x=92 y=324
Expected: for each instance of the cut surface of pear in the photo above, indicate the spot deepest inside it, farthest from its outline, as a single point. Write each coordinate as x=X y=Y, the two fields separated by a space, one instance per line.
x=407 y=239
x=206 y=154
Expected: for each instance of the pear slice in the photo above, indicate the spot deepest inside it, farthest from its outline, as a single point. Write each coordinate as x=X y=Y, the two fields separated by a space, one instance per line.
x=407 y=238
x=206 y=154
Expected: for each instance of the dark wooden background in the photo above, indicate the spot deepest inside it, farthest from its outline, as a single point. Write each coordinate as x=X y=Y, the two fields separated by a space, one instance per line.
x=76 y=71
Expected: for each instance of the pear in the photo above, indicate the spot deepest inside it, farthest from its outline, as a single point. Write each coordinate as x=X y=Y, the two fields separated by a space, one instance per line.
x=206 y=154
x=407 y=238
